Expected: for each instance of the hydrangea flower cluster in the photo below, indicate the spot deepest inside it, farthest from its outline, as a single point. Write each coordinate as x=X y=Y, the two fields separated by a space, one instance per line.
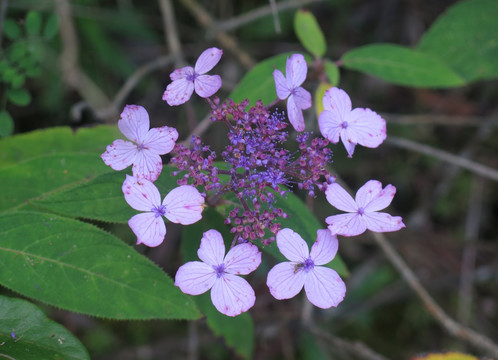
x=248 y=177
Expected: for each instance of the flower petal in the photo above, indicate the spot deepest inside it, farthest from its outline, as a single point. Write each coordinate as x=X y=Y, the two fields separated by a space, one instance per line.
x=292 y=245
x=149 y=228
x=281 y=85
x=141 y=194
x=147 y=165
x=340 y=198
x=324 y=287
x=295 y=114
x=195 y=278
x=302 y=98
x=160 y=140
x=181 y=73
x=337 y=100
x=207 y=85
x=178 y=92
x=232 y=295
x=346 y=224
x=120 y=154
x=369 y=127
x=285 y=280
x=207 y=60
x=371 y=197
x=212 y=249
x=242 y=259
x=134 y=123
x=349 y=141
x=184 y=205
x=324 y=249
x=382 y=222
x=296 y=70
x=330 y=125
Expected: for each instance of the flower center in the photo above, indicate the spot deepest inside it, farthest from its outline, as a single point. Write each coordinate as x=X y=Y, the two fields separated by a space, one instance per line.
x=140 y=147
x=308 y=264
x=219 y=270
x=344 y=124
x=361 y=211
x=159 y=211
x=192 y=77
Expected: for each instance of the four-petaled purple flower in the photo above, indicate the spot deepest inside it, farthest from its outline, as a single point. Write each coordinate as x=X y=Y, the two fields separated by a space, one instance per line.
x=362 y=211
x=323 y=286
x=357 y=126
x=289 y=87
x=230 y=294
x=183 y=205
x=146 y=147
x=186 y=79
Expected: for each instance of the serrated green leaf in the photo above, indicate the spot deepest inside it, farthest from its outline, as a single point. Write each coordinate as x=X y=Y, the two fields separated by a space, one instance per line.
x=40 y=176
x=51 y=27
x=309 y=33
x=19 y=97
x=332 y=72
x=401 y=65
x=56 y=140
x=26 y=333
x=257 y=83
x=11 y=29
x=33 y=23
x=101 y=198
x=238 y=332
x=6 y=124
x=78 y=267
x=465 y=39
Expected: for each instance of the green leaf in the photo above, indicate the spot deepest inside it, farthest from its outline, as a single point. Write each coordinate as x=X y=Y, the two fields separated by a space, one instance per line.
x=332 y=72
x=26 y=333
x=258 y=84
x=238 y=332
x=101 y=198
x=6 y=124
x=56 y=140
x=19 y=97
x=51 y=27
x=17 y=81
x=302 y=221
x=310 y=348
x=17 y=51
x=465 y=39
x=319 y=94
x=33 y=23
x=78 y=267
x=401 y=65
x=40 y=176
x=12 y=29
x=309 y=33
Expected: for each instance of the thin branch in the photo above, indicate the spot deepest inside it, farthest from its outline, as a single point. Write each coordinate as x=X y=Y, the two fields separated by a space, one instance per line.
x=448 y=120
x=250 y=16
x=453 y=327
x=470 y=252
x=131 y=82
x=474 y=167
x=353 y=347
x=227 y=41
x=72 y=73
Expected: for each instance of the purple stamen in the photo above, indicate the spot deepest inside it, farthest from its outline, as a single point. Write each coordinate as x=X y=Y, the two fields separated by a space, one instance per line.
x=219 y=269
x=159 y=211
x=308 y=264
x=344 y=124
x=192 y=77
x=361 y=211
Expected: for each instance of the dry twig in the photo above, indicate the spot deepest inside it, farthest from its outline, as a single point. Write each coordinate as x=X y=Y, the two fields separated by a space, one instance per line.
x=227 y=41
